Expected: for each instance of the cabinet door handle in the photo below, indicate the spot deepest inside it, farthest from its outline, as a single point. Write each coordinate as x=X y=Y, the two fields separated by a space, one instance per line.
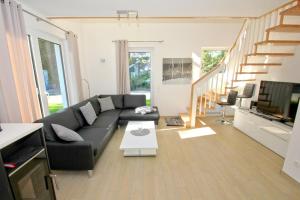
x=54 y=180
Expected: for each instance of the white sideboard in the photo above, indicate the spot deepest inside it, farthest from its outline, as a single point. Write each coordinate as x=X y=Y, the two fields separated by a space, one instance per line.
x=13 y=132
x=271 y=134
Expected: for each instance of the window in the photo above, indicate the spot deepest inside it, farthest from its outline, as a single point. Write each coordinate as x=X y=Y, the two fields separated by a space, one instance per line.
x=140 y=74
x=210 y=58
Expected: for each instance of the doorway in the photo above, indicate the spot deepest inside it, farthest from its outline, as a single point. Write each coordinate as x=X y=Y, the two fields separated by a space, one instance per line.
x=140 y=73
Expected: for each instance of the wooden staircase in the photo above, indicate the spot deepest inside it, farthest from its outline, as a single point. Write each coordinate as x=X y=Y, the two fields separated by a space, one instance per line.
x=255 y=50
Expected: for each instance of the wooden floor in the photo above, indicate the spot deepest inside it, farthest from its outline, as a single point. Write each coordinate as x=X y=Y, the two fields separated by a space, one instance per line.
x=225 y=165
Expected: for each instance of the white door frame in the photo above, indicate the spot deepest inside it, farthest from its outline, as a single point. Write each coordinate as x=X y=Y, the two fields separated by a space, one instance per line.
x=34 y=35
x=151 y=51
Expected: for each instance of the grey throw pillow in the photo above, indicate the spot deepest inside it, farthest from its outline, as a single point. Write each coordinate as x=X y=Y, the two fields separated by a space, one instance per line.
x=106 y=104
x=89 y=113
x=66 y=134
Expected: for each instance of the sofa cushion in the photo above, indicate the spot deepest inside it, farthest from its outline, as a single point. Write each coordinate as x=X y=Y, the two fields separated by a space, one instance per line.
x=116 y=98
x=106 y=103
x=114 y=113
x=95 y=103
x=105 y=122
x=129 y=114
x=89 y=113
x=77 y=113
x=66 y=134
x=96 y=136
x=107 y=119
x=65 y=118
x=133 y=101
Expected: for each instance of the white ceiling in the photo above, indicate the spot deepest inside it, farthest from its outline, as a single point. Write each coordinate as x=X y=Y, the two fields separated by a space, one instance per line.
x=153 y=8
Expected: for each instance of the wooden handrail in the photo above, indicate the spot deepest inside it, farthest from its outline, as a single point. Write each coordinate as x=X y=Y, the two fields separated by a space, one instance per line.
x=279 y=7
x=221 y=61
x=214 y=69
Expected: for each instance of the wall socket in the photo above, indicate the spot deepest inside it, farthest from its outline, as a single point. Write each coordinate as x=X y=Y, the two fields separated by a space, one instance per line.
x=297 y=163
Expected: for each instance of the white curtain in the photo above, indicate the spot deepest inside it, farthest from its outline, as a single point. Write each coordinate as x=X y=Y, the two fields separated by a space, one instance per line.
x=18 y=97
x=123 y=84
x=75 y=79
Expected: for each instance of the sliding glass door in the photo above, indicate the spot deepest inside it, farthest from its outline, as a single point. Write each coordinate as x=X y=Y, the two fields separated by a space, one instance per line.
x=49 y=70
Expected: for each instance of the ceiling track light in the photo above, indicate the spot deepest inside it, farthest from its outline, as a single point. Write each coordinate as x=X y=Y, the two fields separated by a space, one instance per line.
x=129 y=14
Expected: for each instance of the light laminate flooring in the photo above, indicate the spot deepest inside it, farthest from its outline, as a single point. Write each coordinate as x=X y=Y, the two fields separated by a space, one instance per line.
x=213 y=162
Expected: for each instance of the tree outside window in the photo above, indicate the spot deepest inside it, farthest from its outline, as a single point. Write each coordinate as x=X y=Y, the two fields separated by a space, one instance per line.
x=210 y=58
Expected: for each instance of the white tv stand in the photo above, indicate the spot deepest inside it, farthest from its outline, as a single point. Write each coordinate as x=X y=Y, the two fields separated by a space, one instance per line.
x=272 y=134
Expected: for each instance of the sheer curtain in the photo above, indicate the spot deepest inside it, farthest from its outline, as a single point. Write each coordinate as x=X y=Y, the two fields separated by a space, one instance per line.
x=75 y=79
x=18 y=97
x=123 y=84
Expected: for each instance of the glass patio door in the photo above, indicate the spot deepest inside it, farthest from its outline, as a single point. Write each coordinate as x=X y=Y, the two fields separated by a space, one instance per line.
x=140 y=73
x=50 y=76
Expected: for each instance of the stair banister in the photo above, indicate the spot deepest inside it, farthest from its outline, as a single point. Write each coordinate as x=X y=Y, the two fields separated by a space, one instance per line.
x=252 y=31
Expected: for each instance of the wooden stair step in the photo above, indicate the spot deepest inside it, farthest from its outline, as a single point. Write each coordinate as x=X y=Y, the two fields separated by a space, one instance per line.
x=279 y=42
x=252 y=72
x=293 y=11
x=207 y=97
x=210 y=108
x=243 y=80
x=215 y=93
x=185 y=116
x=186 y=119
x=260 y=64
x=271 y=54
x=231 y=87
x=289 y=28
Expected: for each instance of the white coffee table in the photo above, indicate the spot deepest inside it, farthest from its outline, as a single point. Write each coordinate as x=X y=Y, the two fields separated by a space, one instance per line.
x=139 y=145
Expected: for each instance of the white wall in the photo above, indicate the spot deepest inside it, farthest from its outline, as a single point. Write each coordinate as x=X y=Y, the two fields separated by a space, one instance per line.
x=33 y=25
x=288 y=72
x=180 y=40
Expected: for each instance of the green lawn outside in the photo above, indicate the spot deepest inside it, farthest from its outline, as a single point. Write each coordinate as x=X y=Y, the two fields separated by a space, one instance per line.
x=148 y=102
x=54 y=107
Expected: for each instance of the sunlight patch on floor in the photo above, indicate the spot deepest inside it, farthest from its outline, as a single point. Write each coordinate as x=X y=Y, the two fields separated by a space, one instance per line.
x=198 y=132
x=170 y=129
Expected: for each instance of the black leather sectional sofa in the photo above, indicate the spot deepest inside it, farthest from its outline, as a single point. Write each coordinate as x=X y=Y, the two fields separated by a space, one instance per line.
x=83 y=155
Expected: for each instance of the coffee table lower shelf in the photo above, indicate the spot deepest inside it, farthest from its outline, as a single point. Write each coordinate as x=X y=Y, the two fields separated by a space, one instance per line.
x=139 y=152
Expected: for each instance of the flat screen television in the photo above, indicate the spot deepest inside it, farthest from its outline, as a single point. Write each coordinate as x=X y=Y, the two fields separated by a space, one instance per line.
x=279 y=99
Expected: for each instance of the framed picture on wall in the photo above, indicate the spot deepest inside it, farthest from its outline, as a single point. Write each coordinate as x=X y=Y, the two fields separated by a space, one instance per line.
x=177 y=70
